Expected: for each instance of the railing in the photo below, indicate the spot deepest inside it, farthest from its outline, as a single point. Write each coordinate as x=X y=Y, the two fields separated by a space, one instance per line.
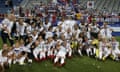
x=108 y=19
x=24 y=3
x=38 y=1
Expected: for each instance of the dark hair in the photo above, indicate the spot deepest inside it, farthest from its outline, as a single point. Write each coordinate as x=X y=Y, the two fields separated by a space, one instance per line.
x=23 y=53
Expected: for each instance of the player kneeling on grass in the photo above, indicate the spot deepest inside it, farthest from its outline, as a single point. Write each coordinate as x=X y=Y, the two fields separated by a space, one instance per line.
x=104 y=49
x=115 y=49
x=61 y=54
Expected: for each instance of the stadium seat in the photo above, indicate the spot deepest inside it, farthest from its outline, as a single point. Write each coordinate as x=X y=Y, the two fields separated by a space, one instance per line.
x=4 y=9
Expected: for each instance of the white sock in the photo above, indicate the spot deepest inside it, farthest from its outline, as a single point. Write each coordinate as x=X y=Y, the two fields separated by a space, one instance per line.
x=56 y=60
x=30 y=60
x=62 y=61
x=79 y=51
x=10 y=62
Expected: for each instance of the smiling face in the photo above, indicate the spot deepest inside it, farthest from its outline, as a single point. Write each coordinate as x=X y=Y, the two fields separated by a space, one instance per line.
x=62 y=37
x=11 y=17
x=75 y=26
x=68 y=30
x=21 y=21
x=58 y=45
x=21 y=42
x=50 y=39
x=40 y=38
x=5 y=46
x=64 y=43
x=113 y=39
x=17 y=45
x=30 y=39
x=37 y=43
x=104 y=40
x=105 y=25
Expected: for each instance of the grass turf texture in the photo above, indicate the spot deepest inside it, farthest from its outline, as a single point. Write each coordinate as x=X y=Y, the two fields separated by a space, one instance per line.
x=76 y=64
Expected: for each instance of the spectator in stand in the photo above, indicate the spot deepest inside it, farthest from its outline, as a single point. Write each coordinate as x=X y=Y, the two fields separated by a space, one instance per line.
x=20 y=11
x=7 y=3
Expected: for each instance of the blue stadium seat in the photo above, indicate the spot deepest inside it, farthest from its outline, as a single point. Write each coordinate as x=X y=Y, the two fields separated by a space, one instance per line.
x=4 y=9
x=16 y=2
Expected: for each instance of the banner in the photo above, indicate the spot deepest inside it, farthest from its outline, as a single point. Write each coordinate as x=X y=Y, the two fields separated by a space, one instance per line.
x=63 y=2
x=116 y=28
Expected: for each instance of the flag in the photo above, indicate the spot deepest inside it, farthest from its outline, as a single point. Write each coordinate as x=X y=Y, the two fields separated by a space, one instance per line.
x=74 y=1
x=63 y=2
x=90 y=4
x=54 y=1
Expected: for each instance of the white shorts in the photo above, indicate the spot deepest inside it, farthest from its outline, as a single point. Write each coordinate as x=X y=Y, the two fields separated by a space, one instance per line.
x=116 y=51
x=61 y=54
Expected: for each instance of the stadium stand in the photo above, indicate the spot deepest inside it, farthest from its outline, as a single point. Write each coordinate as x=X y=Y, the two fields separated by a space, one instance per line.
x=4 y=9
x=110 y=6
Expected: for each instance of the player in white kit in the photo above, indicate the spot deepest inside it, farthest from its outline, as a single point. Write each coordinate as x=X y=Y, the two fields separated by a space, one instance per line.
x=104 y=49
x=60 y=55
x=115 y=48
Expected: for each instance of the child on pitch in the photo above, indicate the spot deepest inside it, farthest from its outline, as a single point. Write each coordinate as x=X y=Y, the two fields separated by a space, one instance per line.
x=61 y=54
